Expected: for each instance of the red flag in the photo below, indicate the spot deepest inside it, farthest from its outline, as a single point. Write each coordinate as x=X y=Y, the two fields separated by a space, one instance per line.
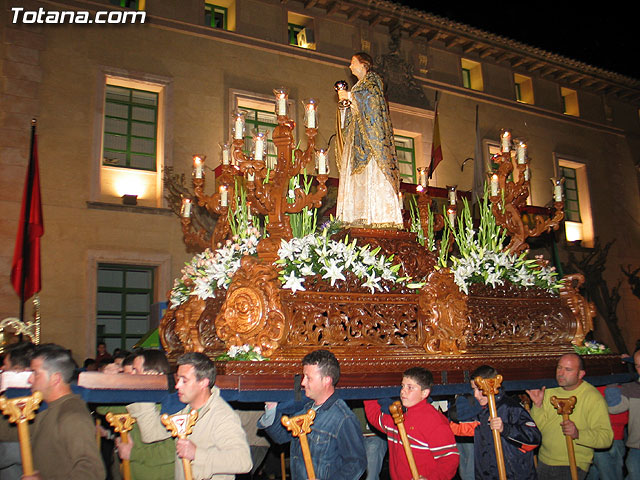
x=436 y=146
x=25 y=269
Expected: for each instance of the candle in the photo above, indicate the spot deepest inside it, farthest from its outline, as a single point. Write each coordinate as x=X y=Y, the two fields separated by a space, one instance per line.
x=400 y=199
x=185 y=212
x=281 y=101
x=494 y=185
x=526 y=174
x=452 y=194
x=310 y=113
x=198 y=166
x=505 y=141
x=258 y=153
x=451 y=215
x=238 y=130
x=422 y=177
x=321 y=161
x=250 y=176
x=521 y=151
x=226 y=154
x=557 y=192
x=224 y=199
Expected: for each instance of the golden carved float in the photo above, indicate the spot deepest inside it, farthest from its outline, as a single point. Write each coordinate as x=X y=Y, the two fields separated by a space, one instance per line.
x=437 y=324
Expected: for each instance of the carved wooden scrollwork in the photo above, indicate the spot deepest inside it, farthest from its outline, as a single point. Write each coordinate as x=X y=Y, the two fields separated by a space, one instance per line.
x=445 y=310
x=178 y=329
x=583 y=310
x=252 y=312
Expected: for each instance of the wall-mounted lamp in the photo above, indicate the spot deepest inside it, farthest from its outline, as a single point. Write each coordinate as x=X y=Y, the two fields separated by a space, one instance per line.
x=128 y=199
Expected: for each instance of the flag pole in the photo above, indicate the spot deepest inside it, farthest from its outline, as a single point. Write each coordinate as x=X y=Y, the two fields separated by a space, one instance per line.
x=26 y=260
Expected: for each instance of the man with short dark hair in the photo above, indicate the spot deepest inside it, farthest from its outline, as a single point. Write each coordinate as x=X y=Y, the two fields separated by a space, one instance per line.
x=63 y=435
x=430 y=438
x=335 y=442
x=588 y=425
x=217 y=448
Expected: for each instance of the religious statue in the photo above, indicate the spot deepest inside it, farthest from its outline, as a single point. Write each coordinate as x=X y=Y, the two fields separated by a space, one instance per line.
x=366 y=153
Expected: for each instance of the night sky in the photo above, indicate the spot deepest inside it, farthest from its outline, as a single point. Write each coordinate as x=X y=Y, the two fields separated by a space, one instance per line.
x=606 y=38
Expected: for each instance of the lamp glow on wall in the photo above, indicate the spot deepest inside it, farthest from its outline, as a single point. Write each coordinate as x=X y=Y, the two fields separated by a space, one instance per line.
x=573 y=231
x=132 y=185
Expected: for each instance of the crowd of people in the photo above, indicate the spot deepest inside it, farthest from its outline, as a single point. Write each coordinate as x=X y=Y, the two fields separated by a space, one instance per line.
x=345 y=440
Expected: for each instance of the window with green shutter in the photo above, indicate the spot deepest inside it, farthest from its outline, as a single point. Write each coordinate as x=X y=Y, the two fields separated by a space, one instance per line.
x=215 y=16
x=571 y=199
x=406 y=151
x=130 y=128
x=124 y=299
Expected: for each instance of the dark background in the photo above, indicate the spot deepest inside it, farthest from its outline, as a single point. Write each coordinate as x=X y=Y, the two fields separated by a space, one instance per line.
x=604 y=37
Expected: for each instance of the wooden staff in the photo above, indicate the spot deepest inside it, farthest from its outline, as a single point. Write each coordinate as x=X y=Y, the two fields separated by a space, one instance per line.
x=180 y=425
x=564 y=406
x=299 y=426
x=396 y=412
x=122 y=423
x=20 y=411
x=489 y=387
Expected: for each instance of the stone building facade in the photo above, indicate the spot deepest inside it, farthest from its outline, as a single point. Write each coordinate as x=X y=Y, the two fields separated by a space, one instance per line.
x=120 y=100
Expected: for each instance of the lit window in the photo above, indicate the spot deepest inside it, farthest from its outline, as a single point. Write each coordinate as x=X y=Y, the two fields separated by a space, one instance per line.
x=123 y=304
x=260 y=117
x=130 y=128
x=301 y=31
x=471 y=74
x=215 y=16
x=569 y=102
x=523 y=88
x=577 y=206
x=406 y=151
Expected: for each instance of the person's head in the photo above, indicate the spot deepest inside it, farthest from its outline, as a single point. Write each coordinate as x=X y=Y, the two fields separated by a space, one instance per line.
x=361 y=63
x=18 y=357
x=53 y=370
x=321 y=372
x=570 y=371
x=90 y=365
x=102 y=348
x=636 y=361
x=416 y=386
x=196 y=376
x=119 y=357
x=127 y=363
x=484 y=371
x=151 y=362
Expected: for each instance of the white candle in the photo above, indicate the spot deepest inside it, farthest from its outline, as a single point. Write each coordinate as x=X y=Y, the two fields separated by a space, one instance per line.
x=225 y=154
x=310 y=115
x=557 y=192
x=494 y=185
x=451 y=213
x=281 y=103
x=197 y=166
x=259 y=147
x=452 y=195
x=522 y=153
x=321 y=156
x=238 y=133
x=506 y=141
x=224 y=199
x=186 y=208
x=526 y=174
x=422 y=177
x=250 y=177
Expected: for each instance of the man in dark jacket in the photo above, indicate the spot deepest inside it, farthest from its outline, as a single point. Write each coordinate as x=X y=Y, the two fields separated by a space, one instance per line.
x=518 y=433
x=335 y=441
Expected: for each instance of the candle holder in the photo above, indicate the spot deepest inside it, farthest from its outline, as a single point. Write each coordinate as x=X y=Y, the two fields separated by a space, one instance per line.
x=344 y=86
x=282 y=96
x=510 y=197
x=310 y=113
x=269 y=196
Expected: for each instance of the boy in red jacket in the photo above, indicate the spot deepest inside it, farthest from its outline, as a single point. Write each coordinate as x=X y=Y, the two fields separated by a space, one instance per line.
x=432 y=442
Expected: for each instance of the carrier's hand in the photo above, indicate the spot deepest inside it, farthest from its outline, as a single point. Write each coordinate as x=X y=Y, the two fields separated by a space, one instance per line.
x=496 y=424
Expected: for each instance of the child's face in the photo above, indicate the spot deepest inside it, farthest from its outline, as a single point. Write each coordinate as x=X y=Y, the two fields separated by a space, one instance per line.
x=479 y=396
x=412 y=393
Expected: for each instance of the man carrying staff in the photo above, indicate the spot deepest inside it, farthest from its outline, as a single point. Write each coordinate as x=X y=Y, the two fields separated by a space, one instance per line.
x=335 y=442
x=62 y=436
x=589 y=425
x=432 y=443
x=217 y=448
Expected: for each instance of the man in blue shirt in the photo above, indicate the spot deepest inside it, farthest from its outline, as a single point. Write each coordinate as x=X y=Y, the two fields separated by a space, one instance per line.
x=335 y=442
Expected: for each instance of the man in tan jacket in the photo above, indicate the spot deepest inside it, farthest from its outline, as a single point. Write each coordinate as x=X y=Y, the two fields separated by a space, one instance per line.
x=218 y=447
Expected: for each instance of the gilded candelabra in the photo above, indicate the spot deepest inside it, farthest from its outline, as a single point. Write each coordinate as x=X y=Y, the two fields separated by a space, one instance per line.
x=509 y=190
x=268 y=188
